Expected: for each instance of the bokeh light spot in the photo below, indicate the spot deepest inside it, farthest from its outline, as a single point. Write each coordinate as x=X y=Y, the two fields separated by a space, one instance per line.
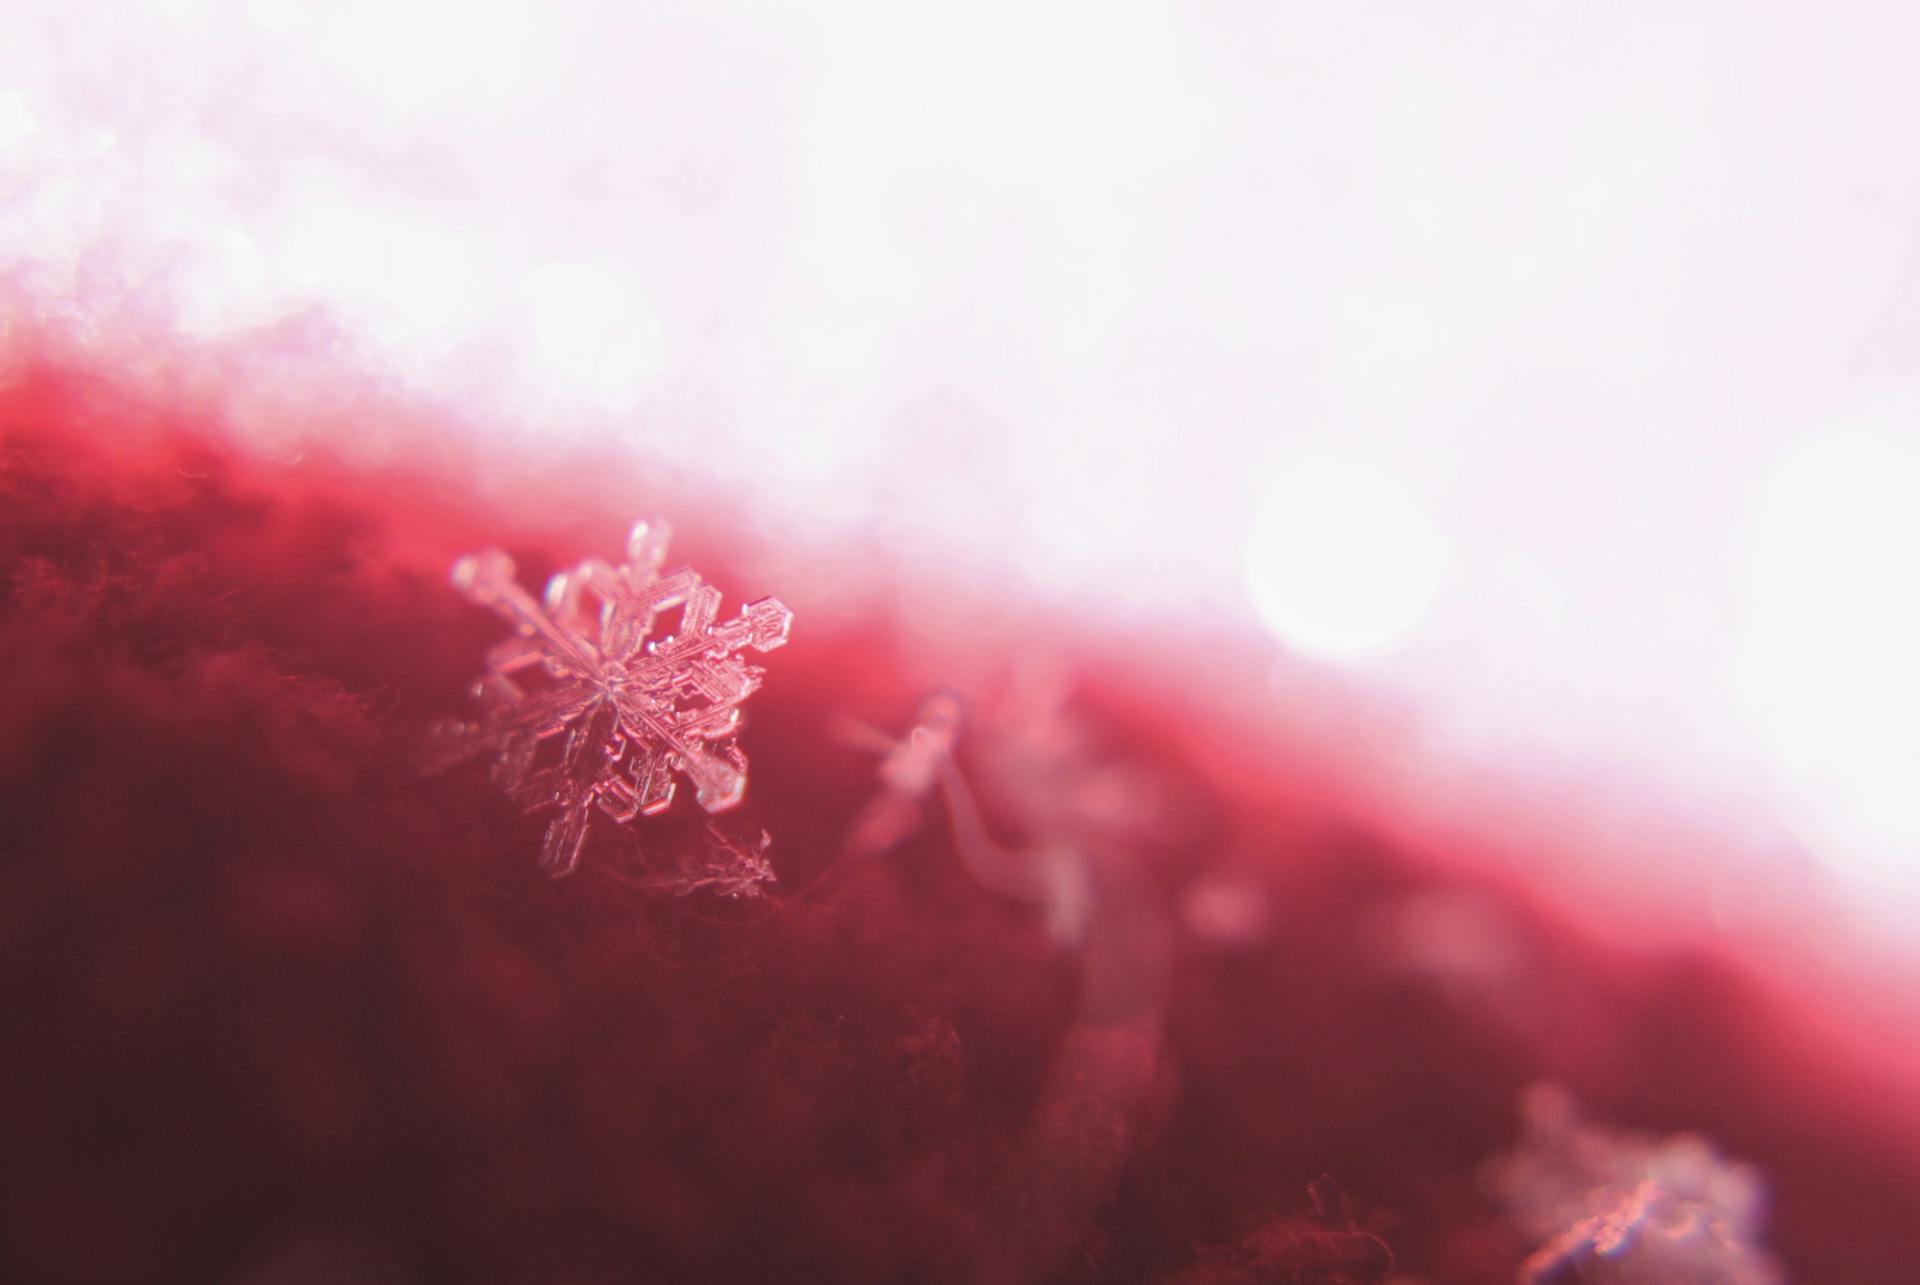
x=1342 y=563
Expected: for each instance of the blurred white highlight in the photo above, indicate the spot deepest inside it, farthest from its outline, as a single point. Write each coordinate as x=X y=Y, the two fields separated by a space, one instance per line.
x=417 y=56
x=1342 y=562
x=593 y=335
x=1831 y=660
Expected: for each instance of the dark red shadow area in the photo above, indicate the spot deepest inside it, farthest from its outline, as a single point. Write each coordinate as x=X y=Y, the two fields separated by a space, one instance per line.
x=277 y=1008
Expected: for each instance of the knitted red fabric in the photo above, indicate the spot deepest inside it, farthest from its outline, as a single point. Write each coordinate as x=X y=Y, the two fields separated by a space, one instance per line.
x=278 y=1008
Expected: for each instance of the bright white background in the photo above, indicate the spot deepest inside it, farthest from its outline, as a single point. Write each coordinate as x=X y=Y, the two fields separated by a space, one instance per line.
x=1553 y=367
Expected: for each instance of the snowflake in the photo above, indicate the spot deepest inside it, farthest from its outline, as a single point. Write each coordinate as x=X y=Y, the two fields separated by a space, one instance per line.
x=625 y=710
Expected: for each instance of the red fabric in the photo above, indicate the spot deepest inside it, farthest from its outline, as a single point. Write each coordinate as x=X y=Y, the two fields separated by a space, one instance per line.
x=278 y=1009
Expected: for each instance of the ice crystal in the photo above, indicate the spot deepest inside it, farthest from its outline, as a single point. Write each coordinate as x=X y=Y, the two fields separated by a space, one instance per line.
x=732 y=868
x=1611 y=1205
x=585 y=674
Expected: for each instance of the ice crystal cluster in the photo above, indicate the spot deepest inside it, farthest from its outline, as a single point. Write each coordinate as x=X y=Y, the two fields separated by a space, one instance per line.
x=584 y=708
x=1613 y=1205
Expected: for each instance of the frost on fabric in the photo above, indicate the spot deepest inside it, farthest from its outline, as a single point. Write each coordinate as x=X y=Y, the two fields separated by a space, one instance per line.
x=584 y=708
x=735 y=869
x=1613 y=1205
x=1325 y=1244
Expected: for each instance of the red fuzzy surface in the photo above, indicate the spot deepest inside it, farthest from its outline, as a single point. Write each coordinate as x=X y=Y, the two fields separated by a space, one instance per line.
x=278 y=1009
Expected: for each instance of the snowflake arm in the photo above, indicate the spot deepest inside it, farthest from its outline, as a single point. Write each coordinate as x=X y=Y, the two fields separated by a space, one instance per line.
x=627 y=711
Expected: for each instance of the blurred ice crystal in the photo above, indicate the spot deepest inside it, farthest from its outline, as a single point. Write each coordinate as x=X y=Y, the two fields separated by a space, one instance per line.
x=909 y=769
x=1613 y=1205
x=583 y=674
x=1043 y=768
x=1044 y=760
x=1226 y=911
